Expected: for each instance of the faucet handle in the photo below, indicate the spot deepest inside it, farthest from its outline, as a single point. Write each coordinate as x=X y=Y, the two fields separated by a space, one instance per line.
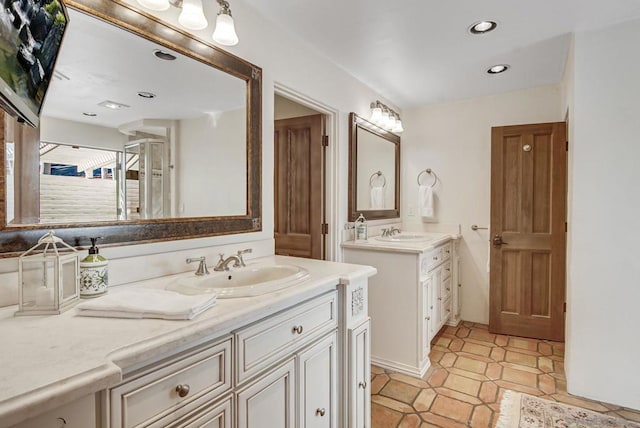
x=202 y=267
x=241 y=252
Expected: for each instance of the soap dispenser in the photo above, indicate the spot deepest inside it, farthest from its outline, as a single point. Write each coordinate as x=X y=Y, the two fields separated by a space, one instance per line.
x=361 y=229
x=94 y=276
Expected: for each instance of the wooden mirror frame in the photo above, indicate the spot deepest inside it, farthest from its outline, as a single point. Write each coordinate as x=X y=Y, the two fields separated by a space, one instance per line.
x=356 y=122
x=15 y=239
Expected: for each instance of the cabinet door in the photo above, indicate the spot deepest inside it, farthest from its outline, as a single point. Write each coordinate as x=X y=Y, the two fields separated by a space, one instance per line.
x=436 y=299
x=359 y=376
x=426 y=333
x=317 y=384
x=80 y=413
x=270 y=401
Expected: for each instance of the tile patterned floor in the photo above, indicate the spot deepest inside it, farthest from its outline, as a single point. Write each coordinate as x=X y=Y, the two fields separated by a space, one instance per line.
x=470 y=370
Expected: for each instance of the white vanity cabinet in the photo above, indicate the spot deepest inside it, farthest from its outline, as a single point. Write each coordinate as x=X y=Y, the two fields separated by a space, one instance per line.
x=410 y=299
x=80 y=413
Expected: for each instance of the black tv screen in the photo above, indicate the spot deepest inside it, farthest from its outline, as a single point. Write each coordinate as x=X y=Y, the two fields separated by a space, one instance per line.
x=30 y=37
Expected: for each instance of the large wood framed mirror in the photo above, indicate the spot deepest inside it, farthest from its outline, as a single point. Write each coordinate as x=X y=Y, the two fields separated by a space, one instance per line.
x=374 y=171
x=146 y=134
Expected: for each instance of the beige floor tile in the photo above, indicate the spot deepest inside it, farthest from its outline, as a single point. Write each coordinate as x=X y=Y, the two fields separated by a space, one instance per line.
x=520 y=358
x=448 y=360
x=465 y=373
x=392 y=404
x=376 y=369
x=630 y=414
x=547 y=384
x=452 y=409
x=580 y=402
x=410 y=421
x=474 y=348
x=424 y=400
x=519 y=376
x=414 y=381
x=400 y=391
x=383 y=417
x=482 y=417
x=378 y=382
x=488 y=392
x=440 y=422
x=471 y=365
x=462 y=384
x=438 y=377
x=483 y=335
x=494 y=371
x=458 y=396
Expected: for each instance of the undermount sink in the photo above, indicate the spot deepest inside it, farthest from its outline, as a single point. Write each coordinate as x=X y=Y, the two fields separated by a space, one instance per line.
x=242 y=282
x=407 y=237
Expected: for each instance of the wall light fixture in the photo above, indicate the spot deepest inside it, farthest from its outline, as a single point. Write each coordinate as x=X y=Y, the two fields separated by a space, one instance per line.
x=385 y=117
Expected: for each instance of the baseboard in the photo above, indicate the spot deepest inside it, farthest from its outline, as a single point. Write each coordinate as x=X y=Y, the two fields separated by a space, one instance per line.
x=402 y=368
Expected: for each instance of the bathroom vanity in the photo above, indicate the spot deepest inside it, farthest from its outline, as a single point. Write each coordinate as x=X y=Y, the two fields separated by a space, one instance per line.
x=295 y=357
x=414 y=294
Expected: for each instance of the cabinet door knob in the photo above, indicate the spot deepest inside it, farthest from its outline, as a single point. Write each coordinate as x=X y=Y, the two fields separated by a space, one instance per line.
x=428 y=318
x=297 y=329
x=435 y=257
x=320 y=412
x=62 y=421
x=439 y=298
x=182 y=390
x=448 y=289
x=362 y=385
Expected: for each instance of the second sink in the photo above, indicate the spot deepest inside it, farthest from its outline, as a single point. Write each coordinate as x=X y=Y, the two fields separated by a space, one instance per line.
x=249 y=281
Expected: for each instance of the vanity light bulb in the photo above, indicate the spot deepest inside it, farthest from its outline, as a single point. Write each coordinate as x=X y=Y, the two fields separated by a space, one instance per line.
x=192 y=16
x=384 y=118
x=376 y=115
x=398 y=129
x=391 y=123
x=225 y=32
x=154 y=4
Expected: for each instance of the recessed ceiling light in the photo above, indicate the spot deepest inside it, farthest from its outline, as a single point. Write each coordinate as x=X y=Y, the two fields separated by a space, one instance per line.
x=483 y=27
x=86 y=113
x=146 y=95
x=497 y=69
x=164 y=55
x=113 y=105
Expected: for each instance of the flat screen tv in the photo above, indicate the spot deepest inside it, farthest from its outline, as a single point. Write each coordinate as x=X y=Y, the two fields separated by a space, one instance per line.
x=30 y=38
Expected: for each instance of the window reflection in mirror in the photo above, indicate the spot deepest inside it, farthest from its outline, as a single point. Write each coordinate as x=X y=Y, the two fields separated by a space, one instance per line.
x=107 y=153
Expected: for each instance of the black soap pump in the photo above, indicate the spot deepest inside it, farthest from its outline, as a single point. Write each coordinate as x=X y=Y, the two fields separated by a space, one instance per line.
x=94 y=275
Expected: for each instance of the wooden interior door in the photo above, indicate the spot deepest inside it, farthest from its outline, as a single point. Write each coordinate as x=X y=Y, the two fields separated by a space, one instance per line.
x=528 y=230
x=299 y=186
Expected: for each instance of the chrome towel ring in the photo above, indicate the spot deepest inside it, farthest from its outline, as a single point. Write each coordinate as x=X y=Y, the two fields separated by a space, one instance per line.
x=430 y=172
x=377 y=174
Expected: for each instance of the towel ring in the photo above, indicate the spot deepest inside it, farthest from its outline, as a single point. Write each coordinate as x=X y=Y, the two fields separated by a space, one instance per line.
x=377 y=174
x=430 y=172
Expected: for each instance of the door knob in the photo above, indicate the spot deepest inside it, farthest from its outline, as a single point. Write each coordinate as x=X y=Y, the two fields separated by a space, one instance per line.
x=497 y=241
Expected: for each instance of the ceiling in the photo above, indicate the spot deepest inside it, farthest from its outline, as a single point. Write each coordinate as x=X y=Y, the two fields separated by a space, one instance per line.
x=418 y=52
x=100 y=62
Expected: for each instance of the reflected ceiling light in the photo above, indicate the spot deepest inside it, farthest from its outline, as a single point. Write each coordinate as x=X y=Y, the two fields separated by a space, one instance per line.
x=90 y=114
x=497 y=69
x=192 y=16
x=225 y=32
x=483 y=27
x=385 y=117
x=113 y=105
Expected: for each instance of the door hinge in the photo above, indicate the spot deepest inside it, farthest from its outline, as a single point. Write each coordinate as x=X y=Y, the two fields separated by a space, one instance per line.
x=566 y=227
x=325 y=229
x=567 y=145
x=325 y=141
x=565 y=307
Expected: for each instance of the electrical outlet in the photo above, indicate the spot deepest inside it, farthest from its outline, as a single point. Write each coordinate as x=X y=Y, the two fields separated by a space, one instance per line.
x=411 y=210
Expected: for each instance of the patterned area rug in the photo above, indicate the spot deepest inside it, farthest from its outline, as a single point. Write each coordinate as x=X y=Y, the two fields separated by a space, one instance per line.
x=519 y=410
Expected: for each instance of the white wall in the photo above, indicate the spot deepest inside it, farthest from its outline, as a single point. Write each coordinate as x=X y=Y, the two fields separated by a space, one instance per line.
x=71 y=133
x=211 y=163
x=292 y=64
x=604 y=267
x=454 y=140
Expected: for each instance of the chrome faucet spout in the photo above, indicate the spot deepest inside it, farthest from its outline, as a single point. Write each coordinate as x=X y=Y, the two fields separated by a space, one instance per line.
x=223 y=264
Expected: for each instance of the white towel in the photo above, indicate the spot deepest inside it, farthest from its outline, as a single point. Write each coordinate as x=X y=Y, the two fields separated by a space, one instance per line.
x=426 y=202
x=147 y=303
x=377 y=198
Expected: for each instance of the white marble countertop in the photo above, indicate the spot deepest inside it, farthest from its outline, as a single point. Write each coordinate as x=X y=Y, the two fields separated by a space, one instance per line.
x=416 y=247
x=49 y=361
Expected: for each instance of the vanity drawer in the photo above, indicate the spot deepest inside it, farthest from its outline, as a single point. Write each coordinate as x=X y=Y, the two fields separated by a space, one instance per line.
x=446 y=251
x=265 y=342
x=434 y=257
x=445 y=288
x=446 y=310
x=446 y=270
x=174 y=389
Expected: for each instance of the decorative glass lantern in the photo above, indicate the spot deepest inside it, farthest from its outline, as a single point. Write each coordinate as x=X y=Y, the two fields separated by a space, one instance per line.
x=48 y=280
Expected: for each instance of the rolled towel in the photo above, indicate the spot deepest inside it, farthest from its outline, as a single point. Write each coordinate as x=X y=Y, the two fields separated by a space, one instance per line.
x=377 y=198
x=426 y=202
x=147 y=303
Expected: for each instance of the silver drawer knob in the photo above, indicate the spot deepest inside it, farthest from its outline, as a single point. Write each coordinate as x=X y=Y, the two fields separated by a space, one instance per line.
x=297 y=329
x=320 y=412
x=448 y=289
x=362 y=385
x=435 y=257
x=428 y=318
x=182 y=390
x=439 y=298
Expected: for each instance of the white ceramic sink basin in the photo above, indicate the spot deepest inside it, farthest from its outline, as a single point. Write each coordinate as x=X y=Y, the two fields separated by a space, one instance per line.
x=242 y=282
x=407 y=237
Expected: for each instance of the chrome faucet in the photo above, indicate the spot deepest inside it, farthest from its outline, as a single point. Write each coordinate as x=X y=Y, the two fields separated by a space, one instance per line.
x=202 y=267
x=223 y=264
